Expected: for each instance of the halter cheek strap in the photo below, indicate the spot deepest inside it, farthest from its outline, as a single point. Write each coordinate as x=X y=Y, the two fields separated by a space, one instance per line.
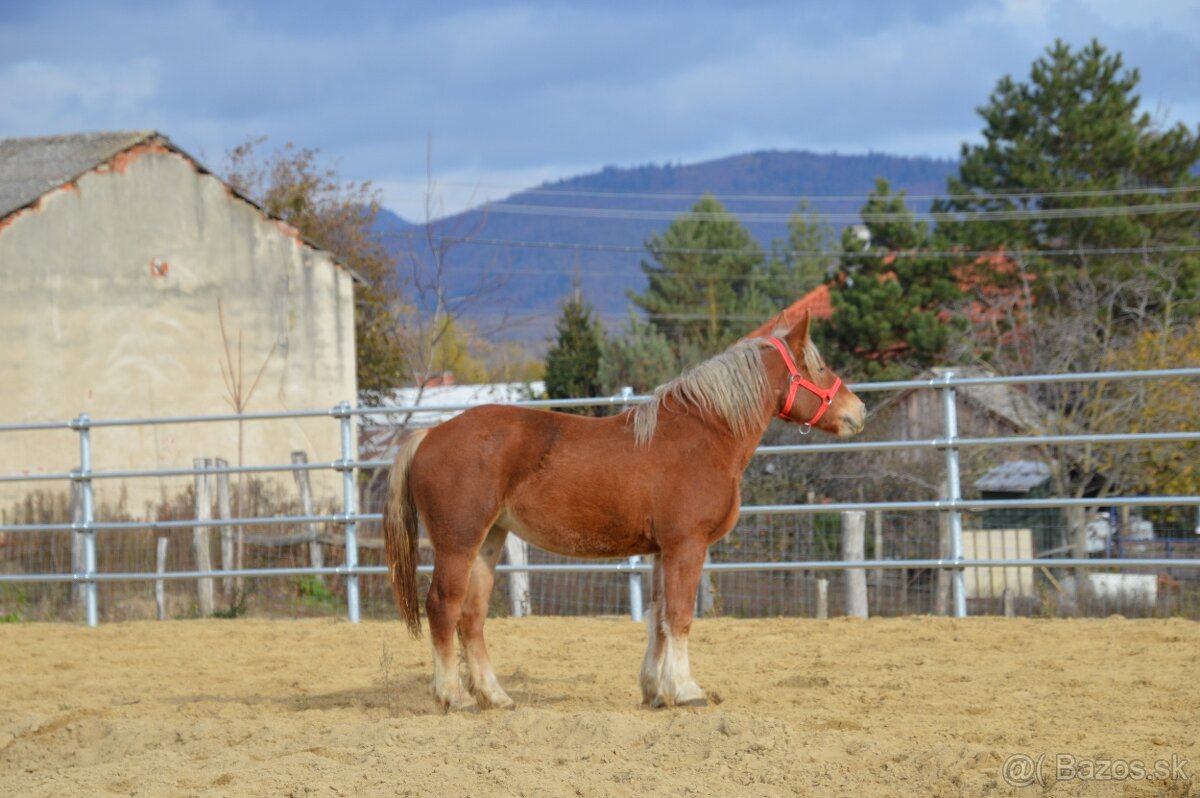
x=824 y=394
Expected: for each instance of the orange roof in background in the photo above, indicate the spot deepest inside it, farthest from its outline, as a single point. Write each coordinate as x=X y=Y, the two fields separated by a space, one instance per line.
x=817 y=302
x=991 y=302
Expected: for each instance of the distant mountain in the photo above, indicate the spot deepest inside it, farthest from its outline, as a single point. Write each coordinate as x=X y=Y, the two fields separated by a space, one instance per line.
x=533 y=243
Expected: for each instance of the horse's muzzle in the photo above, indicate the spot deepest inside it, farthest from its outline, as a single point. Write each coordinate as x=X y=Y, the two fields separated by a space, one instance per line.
x=852 y=419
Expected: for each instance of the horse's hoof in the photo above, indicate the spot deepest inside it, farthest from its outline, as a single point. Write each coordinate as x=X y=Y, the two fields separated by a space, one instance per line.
x=459 y=705
x=659 y=702
x=503 y=702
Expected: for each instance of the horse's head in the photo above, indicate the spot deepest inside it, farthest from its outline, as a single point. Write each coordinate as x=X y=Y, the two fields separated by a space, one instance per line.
x=812 y=395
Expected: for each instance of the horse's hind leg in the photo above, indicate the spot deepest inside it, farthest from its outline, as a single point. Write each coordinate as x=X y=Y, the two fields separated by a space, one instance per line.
x=482 y=678
x=681 y=568
x=655 y=636
x=451 y=576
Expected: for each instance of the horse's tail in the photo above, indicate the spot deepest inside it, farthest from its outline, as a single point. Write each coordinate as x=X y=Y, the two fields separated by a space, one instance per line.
x=400 y=535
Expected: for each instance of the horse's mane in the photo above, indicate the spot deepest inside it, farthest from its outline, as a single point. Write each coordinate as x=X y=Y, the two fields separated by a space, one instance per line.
x=732 y=386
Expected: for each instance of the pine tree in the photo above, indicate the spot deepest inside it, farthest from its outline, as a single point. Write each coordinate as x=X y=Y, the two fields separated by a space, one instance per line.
x=891 y=305
x=573 y=361
x=801 y=263
x=641 y=359
x=706 y=284
x=1073 y=157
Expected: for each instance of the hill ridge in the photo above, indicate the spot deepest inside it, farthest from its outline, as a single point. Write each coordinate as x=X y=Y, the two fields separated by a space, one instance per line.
x=605 y=249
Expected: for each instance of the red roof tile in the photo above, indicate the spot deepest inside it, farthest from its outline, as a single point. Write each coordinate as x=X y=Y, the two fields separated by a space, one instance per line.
x=817 y=302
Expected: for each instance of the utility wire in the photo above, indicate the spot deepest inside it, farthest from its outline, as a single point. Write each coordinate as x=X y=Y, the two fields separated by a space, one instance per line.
x=1014 y=194
x=1088 y=212
x=699 y=316
x=1165 y=249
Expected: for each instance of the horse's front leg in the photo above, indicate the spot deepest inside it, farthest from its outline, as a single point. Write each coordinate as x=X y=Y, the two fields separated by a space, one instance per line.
x=681 y=566
x=655 y=636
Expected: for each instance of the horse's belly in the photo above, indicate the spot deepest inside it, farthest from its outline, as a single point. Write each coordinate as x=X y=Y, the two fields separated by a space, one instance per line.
x=579 y=537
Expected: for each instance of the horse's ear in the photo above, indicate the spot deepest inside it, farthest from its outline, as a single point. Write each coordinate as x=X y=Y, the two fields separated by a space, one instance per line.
x=797 y=337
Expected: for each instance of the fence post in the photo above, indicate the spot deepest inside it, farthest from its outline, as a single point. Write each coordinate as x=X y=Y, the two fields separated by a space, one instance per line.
x=349 y=508
x=202 y=535
x=78 y=566
x=316 y=556
x=635 y=590
x=854 y=526
x=160 y=591
x=516 y=551
x=954 y=494
x=704 y=593
x=228 y=561
x=87 y=503
x=877 y=518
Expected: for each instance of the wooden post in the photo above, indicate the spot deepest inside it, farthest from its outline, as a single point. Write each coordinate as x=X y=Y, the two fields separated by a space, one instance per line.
x=516 y=551
x=704 y=594
x=877 y=517
x=1009 y=603
x=809 y=520
x=78 y=562
x=160 y=595
x=227 y=540
x=854 y=523
x=1123 y=531
x=822 y=598
x=1077 y=524
x=201 y=554
x=316 y=557
x=941 y=578
x=810 y=525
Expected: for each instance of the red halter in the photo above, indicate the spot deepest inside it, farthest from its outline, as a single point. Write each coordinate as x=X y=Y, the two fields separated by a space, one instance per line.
x=824 y=394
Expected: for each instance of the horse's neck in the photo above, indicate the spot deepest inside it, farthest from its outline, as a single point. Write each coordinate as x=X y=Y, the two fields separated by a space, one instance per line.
x=713 y=434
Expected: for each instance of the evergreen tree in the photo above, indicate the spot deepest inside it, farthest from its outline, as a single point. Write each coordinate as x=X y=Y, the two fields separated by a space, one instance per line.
x=1071 y=172
x=641 y=359
x=891 y=304
x=803 y=262
x=706 y=284
x=1075 y=166
x=573 y=361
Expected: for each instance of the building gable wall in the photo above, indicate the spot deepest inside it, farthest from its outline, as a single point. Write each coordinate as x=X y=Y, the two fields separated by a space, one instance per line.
x=109 y=306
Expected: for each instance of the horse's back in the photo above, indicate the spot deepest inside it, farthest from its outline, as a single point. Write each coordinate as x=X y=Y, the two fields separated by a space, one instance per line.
x=569 y=484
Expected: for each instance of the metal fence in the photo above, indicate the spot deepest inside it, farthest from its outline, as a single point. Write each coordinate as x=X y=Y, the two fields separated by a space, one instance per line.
x=766 y=541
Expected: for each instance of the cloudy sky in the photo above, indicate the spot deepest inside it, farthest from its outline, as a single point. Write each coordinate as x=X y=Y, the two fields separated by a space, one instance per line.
x=513 y=94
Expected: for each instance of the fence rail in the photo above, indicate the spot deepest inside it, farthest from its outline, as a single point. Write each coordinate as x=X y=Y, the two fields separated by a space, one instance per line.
x=87 y=526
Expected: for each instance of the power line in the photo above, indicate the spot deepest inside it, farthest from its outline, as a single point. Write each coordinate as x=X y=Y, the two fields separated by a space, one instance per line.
x=821 y=253
x=1014 y=194
x=1088 y=212
x=699 y=316
x=555 y=273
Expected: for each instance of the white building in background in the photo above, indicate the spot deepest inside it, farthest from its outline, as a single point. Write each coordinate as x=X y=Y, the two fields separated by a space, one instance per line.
x=382 y=432
x=115 y=249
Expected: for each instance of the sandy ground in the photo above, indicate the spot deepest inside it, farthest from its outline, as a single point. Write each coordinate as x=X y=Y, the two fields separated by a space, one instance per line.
x=911 y=706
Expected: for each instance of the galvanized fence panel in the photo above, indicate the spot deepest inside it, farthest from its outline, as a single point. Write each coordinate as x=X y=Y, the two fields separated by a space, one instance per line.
x=68 y=558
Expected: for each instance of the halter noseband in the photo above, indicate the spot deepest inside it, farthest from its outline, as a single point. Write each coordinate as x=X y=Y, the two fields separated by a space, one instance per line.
x=824 y=394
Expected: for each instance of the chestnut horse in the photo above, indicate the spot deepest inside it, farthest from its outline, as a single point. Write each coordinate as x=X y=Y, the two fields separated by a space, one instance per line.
x=660 y=479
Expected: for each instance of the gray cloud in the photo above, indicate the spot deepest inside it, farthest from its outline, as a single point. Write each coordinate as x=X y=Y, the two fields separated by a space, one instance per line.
x=535 y=89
